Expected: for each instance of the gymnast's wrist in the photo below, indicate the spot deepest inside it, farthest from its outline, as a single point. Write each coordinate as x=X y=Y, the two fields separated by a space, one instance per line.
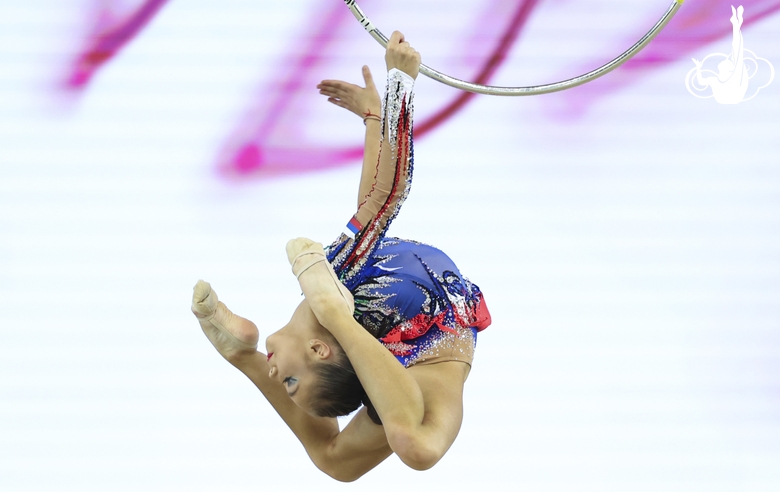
x=369 y=115
x=406 y=79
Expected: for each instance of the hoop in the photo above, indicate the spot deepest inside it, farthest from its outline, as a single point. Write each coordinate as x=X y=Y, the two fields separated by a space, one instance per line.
x=531 y=90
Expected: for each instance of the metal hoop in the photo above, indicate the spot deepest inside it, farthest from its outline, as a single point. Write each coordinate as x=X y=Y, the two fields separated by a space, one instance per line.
x=531 y=90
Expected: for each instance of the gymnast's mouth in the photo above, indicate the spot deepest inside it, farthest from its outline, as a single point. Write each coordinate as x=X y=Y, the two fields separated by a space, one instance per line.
x=270 y=354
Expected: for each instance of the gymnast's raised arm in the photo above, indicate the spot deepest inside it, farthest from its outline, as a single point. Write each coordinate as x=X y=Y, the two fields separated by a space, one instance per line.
x=387 y=163
x=364 y=102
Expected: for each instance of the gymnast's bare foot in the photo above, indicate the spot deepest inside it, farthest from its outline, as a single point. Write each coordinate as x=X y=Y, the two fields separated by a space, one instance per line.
x=231 y=335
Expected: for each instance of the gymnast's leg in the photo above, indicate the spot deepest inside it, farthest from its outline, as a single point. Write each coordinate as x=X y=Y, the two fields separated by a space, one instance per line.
x=235 y=338
x=231 y=335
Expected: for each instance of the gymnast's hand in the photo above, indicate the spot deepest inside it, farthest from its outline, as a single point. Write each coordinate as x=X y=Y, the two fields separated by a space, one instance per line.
x=402 y=56
x=363 y=101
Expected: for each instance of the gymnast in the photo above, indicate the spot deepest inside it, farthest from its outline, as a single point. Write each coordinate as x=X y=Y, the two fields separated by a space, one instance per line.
x=386 y=324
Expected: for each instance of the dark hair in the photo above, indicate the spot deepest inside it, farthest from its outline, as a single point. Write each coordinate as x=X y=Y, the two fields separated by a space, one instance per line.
x=338 y=390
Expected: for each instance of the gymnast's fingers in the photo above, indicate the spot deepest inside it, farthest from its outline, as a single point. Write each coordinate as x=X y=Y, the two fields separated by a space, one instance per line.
x=396 y=38
x=339 y=90
x=330 y=91
x=335 y=85
x=368 y=78
x=338 y=102
x=333 y=82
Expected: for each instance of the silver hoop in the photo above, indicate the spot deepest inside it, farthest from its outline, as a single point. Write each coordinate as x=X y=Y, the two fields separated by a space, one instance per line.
x=531 y=90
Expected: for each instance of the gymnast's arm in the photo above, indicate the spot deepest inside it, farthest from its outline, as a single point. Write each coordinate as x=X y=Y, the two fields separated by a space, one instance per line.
x=384 y=176
x=385 y=182
x=364 y=102
x=345 y=456
x=386 y=172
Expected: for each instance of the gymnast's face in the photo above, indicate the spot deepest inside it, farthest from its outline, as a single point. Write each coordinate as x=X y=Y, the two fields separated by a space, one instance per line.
x=293 y=351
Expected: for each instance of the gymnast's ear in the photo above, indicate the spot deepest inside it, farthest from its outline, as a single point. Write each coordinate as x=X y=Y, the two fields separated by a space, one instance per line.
x=319 y=350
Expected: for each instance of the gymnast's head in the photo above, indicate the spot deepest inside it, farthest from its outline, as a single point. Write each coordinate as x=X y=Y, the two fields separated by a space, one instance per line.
x=312 y=366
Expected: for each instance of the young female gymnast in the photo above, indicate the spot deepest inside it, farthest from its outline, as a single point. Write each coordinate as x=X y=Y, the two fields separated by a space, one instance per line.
x=393 y=327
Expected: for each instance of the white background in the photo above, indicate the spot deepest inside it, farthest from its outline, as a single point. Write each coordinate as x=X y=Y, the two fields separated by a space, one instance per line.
x=630 y=256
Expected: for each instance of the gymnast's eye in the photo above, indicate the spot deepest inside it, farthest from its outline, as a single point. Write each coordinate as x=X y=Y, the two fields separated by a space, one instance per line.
x=289 y=381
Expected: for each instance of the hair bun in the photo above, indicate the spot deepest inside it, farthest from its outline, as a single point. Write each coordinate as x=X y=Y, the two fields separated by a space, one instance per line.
x=371 y=410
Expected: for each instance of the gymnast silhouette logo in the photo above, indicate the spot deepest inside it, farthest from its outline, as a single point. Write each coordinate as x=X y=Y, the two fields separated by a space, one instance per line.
x=729 y=85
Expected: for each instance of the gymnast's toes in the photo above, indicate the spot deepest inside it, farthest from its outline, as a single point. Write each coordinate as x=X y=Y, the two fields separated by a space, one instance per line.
x=230 y=334
x=296 y=247
x=204 y=300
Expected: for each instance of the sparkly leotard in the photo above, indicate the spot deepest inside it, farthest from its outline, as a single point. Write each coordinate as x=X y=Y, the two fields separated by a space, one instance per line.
x=409 y=295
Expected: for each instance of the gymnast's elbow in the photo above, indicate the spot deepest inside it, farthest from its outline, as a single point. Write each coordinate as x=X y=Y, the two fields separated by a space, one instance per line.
x=338 y=470
x=345 y=476
x=414 y=451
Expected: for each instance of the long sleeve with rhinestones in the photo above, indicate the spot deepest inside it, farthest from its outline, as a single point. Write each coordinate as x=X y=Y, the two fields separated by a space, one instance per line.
x=391 y=183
